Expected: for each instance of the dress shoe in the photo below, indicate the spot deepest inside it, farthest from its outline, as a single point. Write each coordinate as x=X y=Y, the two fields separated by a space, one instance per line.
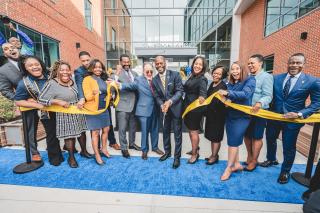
x=125 y=153
x=86 y=155
x=306 y=195
x=115 y=146
x=268 y=163
x=73 y=163
x=144 y=155
x=100 y=163
x=158 y=151
x=190 y=152
x=176 y=163
x=193 y=160
x=226 y=174
x=165 y=157
x=135 y=146
x=284 y=177
x=216 y=160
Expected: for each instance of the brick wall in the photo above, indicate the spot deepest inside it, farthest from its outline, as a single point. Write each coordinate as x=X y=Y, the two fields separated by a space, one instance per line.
x=283 y=42
x=63 y=21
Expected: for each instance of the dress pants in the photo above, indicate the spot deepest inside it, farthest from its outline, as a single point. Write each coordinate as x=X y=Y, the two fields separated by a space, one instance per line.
x=289 y=140
x=111 y=137
x=149 y=125
x=53 y=144
x=177 y=129
x=125 y=120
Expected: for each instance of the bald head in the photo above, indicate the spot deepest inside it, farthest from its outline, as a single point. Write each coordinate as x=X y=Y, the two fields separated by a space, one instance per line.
x=160 y=63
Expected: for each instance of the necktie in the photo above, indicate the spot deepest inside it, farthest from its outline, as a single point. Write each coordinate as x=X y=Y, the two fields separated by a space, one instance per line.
x=163 y=81
x=286 y=87
x=151 y=88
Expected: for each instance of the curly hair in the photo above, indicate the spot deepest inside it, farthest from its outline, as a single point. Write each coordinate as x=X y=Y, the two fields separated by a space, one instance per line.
x=22 y=64
x=104 y=76
x=56 y=66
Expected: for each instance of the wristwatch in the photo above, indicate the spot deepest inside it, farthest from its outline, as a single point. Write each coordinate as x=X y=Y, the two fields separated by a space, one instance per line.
x=300 y=115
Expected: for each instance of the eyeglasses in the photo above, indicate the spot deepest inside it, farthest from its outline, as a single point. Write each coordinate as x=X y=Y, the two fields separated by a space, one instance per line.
x=149 y=71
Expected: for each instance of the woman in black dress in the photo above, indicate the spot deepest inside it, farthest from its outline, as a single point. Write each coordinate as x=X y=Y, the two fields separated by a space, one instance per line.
x=215 y=114
x=195 y=88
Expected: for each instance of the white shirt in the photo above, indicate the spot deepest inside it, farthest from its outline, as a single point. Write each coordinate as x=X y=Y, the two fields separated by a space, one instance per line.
x=293 y=80
x=15 y=63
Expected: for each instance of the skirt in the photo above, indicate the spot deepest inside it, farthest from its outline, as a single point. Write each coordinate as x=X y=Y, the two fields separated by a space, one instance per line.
x=193 y=120
x=100 y=121
x=70 y=125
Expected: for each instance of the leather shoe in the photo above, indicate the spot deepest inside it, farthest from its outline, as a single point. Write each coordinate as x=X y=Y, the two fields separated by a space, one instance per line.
x=125 y=153
x=165 y=157
x=268 y=163
x=251 y=166
x=284 y=177
x=100 y=163
x=115 y=146
x=306 y=195
x=176 y=163
x=158 y=151
x=86 y=155
x=144 y=155
x=193 y=160
x=72 y=163
x=214 y=161
x=135 y=146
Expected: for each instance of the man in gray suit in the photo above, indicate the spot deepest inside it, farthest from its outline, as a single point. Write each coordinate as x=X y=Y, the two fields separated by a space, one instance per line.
x=10 y=74
x=125 y=109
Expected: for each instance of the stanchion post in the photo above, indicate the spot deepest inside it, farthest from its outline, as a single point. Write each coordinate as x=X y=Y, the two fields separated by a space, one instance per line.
x=27 y=166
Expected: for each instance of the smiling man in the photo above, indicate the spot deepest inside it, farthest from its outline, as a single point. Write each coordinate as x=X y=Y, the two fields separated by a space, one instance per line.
x=10 y=74
x=291 y=91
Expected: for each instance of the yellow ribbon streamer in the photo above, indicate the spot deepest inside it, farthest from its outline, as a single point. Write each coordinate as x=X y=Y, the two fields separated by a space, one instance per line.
x=247 y=109
x=75 y=110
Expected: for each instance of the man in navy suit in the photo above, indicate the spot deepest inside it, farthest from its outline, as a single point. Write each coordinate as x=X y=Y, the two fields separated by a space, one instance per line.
x=168 y=91
x=291 y=91
x=146 y=110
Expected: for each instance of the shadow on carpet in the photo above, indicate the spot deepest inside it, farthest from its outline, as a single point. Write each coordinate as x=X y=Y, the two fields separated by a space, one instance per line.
x=153 y=177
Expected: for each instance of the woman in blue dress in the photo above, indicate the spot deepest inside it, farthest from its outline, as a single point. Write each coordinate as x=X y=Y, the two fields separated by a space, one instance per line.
x=240 y=90
x=95 y=93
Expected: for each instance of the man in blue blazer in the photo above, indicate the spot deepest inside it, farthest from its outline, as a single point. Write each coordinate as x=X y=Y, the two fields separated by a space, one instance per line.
x=290 y=91
x=146 y=110
x=168 y=91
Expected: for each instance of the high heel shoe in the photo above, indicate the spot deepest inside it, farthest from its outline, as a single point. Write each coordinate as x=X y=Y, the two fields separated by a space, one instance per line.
x=216 y=160
x=226 y=175
x=104 y=155
x=193 y=161
x=100 y=163
x=73 y=163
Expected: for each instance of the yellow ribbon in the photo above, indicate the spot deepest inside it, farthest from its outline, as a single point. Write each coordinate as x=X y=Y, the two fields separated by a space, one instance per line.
x=247 y=109
x=75 y=110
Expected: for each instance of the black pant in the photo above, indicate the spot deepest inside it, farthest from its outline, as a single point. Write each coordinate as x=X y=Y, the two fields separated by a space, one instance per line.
x=177 y=129
x=53 y=145
x=111 y=137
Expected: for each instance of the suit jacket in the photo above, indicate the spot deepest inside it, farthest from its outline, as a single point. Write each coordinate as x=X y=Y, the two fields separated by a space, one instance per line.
x=173 y=90
x=241 y=93
x=127 y=98
x=78 y=77
x=92 y=101
x=295 y=102
x=146 y=102
x=9 y=79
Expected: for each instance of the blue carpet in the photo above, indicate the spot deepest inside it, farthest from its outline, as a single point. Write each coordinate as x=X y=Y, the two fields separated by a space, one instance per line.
x=153 y=177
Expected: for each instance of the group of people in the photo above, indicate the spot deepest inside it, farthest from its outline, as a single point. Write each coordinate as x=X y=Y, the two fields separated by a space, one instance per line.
x=155 y=99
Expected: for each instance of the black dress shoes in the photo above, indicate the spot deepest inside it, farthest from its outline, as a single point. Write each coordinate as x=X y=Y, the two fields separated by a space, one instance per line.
x=176 y=163
x=86 y=155
x=158 y=151
x=125 y=153
x=165 y=157
x=144 y=155
x=284 y=177
x=100 y=163
x=216 y=160
x=135 y=146
x=268 y=163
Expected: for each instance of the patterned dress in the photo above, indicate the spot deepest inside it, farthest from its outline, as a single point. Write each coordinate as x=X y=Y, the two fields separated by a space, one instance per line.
x=68 y=125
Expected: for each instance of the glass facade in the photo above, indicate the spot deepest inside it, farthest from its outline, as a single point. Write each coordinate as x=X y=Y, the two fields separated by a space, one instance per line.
x=88 y=14
x=280 y=13
x=208 y=25
x=44 y=47
x=204 y=24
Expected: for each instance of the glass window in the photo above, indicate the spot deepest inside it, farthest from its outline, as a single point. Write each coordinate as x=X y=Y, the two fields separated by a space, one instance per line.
x=113 y=39
x=50 y=51
x=113 y=5
x=88 y=14
x=123 y=18
x=268 y=63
